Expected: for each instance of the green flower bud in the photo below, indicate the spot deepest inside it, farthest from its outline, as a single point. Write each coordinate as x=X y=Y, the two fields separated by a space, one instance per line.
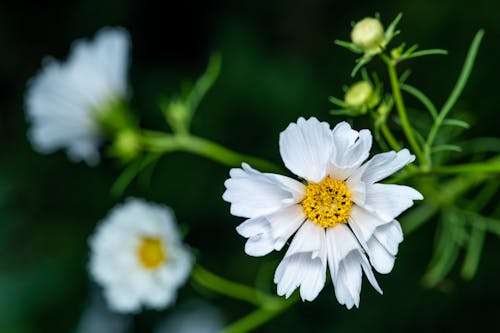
x=369 y=35
x=177 y=114
x=359 y=94
x=126 y=145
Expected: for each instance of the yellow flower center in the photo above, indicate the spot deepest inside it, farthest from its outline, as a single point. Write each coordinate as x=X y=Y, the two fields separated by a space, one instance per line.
x=151 y=253
x=327 y=203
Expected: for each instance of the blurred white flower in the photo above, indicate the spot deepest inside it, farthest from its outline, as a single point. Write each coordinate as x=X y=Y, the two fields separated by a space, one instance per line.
x=63 y=100
x=340 y=215
x=138 y=257
x=193 y=317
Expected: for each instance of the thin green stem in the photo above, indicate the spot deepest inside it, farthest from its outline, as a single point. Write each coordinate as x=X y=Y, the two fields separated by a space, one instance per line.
x=258 y=317
x=457 y=89
x=398 y=99
x=232 y=289
x=389 y=137
x=162 y=143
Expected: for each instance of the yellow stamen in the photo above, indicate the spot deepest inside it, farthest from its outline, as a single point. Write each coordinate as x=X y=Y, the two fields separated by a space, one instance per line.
x=151 y=253
x=327 y=203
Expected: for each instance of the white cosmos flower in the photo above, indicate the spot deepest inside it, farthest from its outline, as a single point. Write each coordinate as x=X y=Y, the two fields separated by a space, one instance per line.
x=63 y=99
x=341 y=218
x=138 y=257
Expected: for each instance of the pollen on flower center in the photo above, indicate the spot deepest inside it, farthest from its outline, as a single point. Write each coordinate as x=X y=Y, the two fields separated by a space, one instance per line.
x=151 y=253
x=327 y=203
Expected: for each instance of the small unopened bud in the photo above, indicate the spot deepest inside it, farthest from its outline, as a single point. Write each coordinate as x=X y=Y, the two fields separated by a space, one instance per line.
x=369 y=35
x=126 y=145
x=359 y=94
x=177 y=114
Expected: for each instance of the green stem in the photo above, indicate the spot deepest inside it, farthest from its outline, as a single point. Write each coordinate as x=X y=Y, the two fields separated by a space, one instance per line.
x=258 y=317
x=232 y=289
x=162 y=143
x=398 y=99
x=391 y=140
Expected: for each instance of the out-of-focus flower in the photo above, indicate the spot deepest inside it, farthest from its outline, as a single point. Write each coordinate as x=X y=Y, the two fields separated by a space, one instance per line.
x=66 y=102
x=193 y=317
x=138 y=257
x=369 y=35
x=340 y=215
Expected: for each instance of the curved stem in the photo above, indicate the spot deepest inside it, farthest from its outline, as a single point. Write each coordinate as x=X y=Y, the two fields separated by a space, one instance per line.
x=258 y=317
x=398 y=99
x=161 y=142
x=232 y=289
x=389 y=137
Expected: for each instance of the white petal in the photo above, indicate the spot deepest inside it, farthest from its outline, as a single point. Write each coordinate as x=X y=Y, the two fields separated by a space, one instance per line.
x=305 y=148
x=387 y=201
x=284 y=223
x=122 y=300
x=363 y=223
x=254 y=227
x=258 y=232
x=391 y=235
x=259 y=245
x=304 y=265
x=351 y=149
x=383 y=165
x=252 y=193
x=383 y=246
x=346 y=261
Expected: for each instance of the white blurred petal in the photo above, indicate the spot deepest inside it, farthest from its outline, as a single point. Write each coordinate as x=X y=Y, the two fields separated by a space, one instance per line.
x=61 y=100
x=115 y=263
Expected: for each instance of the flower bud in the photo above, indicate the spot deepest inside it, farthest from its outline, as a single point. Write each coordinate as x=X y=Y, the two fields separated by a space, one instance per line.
x=359 y=94
x=177 y=114
x=368 y=34
x=126 y=145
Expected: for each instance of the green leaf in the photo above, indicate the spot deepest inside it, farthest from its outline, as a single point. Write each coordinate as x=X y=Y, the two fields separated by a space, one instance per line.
x=360 y=63
x=390 y=32
x=338 y=102
x=419 y=95
x=417 y=217
x=473 y=253
x=442 y=148
x=404 y=76
x=348 y=45
x=464 y=74
x=130 y=172
x=445 y=251
x=456 y=122
x=205 y=82
x=348 y=112
x=481 y=145
x=423 y=53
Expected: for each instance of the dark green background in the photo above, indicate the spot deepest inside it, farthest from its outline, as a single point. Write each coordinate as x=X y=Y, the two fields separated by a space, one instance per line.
x=279 y=62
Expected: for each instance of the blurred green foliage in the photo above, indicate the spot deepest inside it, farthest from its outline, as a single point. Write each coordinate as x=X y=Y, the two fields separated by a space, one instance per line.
x=279 y=62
